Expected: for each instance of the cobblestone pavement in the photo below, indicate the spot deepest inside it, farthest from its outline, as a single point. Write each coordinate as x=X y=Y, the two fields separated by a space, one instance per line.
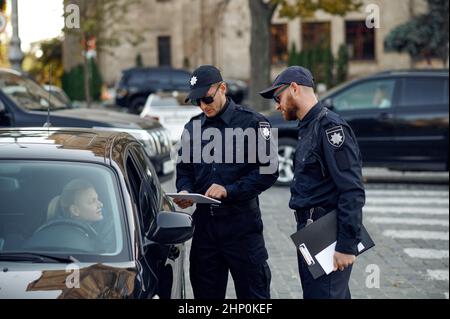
x=409 y=224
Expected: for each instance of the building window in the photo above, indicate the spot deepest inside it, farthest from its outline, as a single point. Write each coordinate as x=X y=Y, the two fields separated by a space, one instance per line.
x=316 y=35
x=279 y=43
x=164 y=51
x=360 y=40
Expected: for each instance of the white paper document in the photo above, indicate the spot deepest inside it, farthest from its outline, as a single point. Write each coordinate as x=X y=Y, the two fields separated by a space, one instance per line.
x=196 y=198
x=325 y=258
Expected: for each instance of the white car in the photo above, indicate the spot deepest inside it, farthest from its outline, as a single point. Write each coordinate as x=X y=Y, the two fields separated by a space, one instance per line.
x=170 y=113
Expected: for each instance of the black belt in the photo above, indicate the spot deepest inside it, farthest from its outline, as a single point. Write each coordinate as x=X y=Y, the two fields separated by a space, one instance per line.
x=229 y=209
x=302 y=216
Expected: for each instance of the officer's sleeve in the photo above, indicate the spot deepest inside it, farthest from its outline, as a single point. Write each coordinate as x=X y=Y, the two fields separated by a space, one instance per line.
x=344 y=165
x=185 y=167
x=264 y=173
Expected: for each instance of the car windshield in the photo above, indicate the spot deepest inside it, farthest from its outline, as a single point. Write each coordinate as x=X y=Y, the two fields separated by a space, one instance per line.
x=28 y=94
x=61 y=209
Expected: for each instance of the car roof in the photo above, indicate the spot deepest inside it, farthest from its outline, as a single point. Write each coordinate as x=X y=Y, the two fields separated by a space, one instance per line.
x=412 y=72
x=65 y=144
x=154 y=69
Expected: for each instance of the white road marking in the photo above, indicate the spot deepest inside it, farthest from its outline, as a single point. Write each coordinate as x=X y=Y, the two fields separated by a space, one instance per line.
x=407 y=193
x=441 y=275
x=416 y=234
x=408 y=221
x=446 y=295
x=427 y=201
x=426 y=253
x=405 y=210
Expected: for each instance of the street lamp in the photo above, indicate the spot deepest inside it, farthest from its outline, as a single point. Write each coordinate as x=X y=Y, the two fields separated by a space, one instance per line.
x=15 y=53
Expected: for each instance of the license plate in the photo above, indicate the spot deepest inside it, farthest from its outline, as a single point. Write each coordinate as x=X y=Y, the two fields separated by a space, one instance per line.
x=168 y=167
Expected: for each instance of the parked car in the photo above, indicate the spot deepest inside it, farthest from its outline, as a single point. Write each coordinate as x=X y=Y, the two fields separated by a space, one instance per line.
x=24 y=103
x=137 y=84
x=170 y=113
x=400 y=119
x=47 y=254
x=58 y=93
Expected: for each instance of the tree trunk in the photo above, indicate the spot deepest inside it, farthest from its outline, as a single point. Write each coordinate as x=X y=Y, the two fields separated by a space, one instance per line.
x=261 y=14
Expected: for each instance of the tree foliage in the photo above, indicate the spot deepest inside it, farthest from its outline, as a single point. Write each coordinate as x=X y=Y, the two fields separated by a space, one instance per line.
x=425 y=36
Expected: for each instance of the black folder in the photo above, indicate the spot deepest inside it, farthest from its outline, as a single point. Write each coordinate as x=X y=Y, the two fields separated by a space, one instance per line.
x=313 y=239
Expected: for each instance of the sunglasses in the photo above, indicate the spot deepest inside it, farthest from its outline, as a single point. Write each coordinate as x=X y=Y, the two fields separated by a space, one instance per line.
x=206 y=99
x=276 y=96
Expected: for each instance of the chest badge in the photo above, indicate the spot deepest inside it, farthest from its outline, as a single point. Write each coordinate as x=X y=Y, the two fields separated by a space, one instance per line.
x=336 y=136
x=265 y=130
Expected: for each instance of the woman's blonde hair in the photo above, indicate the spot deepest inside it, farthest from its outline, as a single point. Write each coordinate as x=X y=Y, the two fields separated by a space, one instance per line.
x=61 y=204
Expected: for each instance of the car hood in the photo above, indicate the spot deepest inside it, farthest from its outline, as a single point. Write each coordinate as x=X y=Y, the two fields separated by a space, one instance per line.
x=117 y=119
x=56 y=281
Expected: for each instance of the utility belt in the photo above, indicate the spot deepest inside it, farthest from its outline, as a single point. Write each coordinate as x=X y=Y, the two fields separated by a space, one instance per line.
x=220 y=210
x=312 y=214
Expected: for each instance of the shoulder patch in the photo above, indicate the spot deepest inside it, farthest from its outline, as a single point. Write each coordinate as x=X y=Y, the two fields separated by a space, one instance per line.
x=265 y=129
x=336 y=136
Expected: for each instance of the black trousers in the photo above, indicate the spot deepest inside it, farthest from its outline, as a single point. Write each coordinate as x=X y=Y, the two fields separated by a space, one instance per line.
x=332 y=286
x=231 y=243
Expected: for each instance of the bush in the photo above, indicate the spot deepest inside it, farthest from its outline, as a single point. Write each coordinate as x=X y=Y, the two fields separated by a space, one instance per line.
x=73 y=82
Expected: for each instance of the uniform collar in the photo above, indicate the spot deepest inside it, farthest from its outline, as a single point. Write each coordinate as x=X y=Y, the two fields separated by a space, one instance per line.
x=225 y=114
x=312 y=114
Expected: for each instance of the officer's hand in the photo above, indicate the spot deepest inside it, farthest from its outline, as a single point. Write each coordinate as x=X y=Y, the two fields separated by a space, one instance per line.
x=183 y=203
x=342 y=261
x=216 y=191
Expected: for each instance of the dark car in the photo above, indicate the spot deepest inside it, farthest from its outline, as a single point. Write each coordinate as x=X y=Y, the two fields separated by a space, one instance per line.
x=400 y=119
x=137 y=84
x=24 y=103
x=130 y=247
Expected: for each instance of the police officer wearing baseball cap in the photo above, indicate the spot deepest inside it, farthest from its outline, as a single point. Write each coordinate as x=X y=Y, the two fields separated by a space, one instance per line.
x=227 y=237
x=327 y=176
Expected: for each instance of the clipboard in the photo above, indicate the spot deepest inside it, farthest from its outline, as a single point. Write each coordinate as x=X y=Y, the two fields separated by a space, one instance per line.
x=196 y=198
x=317 y=241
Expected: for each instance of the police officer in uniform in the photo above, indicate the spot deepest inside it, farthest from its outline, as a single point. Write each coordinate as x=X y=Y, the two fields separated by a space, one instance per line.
x=327 y=176
x=229 y=236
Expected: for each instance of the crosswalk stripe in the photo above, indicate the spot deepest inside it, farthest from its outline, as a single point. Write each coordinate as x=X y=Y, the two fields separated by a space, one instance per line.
x=407 y=201
x=441 y=275
x=407 y=193
x=408 y=221
x=416 y=234
x=422 y=253
x=405 y=210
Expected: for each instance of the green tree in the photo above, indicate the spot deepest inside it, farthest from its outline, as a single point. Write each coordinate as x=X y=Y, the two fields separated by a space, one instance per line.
x=98 y=22
x=139 y=62
x=293 y=55
x=261 y=13
x=342 y=64
x=424 y=36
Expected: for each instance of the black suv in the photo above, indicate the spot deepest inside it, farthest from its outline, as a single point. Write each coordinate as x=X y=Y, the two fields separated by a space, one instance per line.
x=400 y=119
x=137 y=84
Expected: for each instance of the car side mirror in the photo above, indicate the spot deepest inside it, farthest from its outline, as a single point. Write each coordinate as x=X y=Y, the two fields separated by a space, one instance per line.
x=172 y=228
x=328 y=103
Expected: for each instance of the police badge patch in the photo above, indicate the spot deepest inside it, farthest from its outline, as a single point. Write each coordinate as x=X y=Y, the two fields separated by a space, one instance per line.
x=336 y=136
x=265 y=130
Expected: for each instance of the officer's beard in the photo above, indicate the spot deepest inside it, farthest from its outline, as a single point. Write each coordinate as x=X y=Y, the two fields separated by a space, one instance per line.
x=290 y=113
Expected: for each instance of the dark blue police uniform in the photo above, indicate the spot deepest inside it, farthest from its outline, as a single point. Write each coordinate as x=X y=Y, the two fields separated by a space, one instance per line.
x=328 y=176
x=229 y=236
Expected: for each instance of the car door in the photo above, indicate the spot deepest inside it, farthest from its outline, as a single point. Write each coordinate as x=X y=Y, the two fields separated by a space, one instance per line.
x=368 y=106
x=422 y=122
x=165 y=261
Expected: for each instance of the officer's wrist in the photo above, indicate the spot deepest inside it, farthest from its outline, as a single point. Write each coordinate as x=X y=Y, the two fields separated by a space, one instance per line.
x=231 y=190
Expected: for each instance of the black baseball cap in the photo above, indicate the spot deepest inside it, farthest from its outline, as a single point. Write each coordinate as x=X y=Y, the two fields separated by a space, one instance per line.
x=297 y=74
x=201 y=81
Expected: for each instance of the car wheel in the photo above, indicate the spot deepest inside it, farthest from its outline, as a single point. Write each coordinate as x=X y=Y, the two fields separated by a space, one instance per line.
x=137 y=105
x=286 y=152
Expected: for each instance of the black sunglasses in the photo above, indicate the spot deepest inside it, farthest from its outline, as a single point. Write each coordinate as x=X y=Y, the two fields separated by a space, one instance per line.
x=276 y=96
x=206 y=99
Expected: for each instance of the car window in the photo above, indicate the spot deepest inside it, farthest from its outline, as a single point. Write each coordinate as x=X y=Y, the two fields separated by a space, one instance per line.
x=28 y=94
x=181 y=79
x=136 y=78
x=144 y=189
x=61 y=208
x=376 y=94
x=153 y=76
x=424 y=91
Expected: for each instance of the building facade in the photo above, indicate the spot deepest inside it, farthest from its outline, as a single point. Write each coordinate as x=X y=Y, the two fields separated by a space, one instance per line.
x=188 y=33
